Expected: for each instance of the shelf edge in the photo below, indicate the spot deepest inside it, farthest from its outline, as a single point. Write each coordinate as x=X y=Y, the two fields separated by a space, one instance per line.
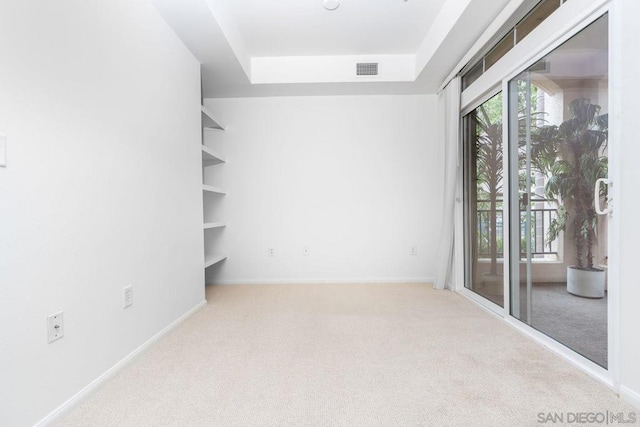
x=210 y=225
x=216 y=259
x=212 y=189
x=208 y=122
x=211 y=157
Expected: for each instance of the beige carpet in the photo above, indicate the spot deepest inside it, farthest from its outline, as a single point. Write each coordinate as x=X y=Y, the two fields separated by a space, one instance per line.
x=356 y=355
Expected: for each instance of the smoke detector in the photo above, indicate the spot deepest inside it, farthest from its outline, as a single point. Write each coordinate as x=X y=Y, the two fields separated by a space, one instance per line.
x=331 y=4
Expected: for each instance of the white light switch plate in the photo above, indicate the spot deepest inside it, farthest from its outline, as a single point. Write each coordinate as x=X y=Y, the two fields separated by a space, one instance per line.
x=3 y=151
x=55 y=327
x=127 y=296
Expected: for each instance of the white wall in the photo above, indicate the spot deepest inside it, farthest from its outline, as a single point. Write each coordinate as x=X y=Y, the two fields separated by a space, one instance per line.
x=99 y=102
x=627 y=203
x=356 y=179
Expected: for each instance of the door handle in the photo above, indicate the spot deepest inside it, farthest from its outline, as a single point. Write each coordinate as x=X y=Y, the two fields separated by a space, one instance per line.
x=596 y=197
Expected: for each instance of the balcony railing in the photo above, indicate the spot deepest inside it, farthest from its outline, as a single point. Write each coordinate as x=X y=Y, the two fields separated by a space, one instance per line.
x=541 y=217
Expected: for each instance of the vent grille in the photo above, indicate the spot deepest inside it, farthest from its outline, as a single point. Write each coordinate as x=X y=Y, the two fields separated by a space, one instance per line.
x=367 y=69
x=542 y=67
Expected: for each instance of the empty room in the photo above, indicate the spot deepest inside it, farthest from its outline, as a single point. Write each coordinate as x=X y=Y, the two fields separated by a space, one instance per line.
x=319 y=213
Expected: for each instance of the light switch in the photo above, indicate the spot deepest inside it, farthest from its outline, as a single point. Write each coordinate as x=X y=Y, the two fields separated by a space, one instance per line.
x=3 y=151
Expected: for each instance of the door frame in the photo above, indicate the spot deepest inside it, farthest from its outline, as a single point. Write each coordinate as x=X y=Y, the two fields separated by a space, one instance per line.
x=567 y=21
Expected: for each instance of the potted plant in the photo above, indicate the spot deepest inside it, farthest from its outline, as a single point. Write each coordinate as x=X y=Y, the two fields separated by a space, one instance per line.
x=577 y=147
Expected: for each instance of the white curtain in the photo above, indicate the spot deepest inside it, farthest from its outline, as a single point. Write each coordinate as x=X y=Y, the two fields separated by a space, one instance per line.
x=448 y=137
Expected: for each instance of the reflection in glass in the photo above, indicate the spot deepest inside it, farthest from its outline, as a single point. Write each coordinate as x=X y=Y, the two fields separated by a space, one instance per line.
x=558 y=134
x=483 y=173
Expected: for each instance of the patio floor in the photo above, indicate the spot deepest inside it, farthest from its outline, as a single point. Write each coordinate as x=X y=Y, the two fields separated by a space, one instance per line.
x=577 y=322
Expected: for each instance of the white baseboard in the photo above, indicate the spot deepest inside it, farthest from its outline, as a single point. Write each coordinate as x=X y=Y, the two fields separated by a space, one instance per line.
x=395 y=280
x=64 y=409
x=630 y=396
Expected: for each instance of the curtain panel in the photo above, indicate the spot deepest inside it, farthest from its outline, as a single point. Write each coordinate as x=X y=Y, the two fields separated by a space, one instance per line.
x=448 y=138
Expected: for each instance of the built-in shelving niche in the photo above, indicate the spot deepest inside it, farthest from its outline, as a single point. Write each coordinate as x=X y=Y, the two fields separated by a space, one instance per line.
x=213 y=195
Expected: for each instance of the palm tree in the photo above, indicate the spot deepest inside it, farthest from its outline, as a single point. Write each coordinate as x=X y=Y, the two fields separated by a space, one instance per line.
x=487 y=127
x=575 y=160
x=489 y=172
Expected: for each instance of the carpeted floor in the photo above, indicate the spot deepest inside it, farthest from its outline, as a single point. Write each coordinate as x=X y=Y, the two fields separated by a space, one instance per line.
x=357 y=355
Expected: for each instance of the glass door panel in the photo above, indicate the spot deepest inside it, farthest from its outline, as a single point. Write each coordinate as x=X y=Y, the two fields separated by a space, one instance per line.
x=483 y=179
x=558 y=135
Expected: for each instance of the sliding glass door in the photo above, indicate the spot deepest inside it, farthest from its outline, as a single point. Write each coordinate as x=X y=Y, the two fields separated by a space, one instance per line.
x=557 y=172
x=558 y=169
x=483 y=187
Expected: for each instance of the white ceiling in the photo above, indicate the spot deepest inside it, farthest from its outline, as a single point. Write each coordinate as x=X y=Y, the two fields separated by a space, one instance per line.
x=296 y=47
x=357 y=27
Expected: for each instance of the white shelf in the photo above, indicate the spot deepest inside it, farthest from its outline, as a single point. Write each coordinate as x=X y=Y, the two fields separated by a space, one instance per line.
x=214 y=260
x=210 y=225
x=210 y=157
x=212 y=189
x=208 y=122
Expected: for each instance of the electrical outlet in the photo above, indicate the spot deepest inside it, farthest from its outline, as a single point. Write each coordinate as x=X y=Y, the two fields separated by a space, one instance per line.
x=271 y=252
x=55 y=327
x=306 y=251
x=414 y=250
x=127 y=296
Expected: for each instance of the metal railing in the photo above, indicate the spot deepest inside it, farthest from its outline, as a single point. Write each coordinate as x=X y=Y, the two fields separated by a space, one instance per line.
x=541 y=217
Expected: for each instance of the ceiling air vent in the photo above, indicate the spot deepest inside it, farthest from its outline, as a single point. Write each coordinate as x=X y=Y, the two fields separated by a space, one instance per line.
x=367 y=69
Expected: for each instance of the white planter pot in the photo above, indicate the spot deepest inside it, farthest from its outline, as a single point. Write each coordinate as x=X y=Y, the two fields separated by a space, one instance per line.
x=585 y=283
